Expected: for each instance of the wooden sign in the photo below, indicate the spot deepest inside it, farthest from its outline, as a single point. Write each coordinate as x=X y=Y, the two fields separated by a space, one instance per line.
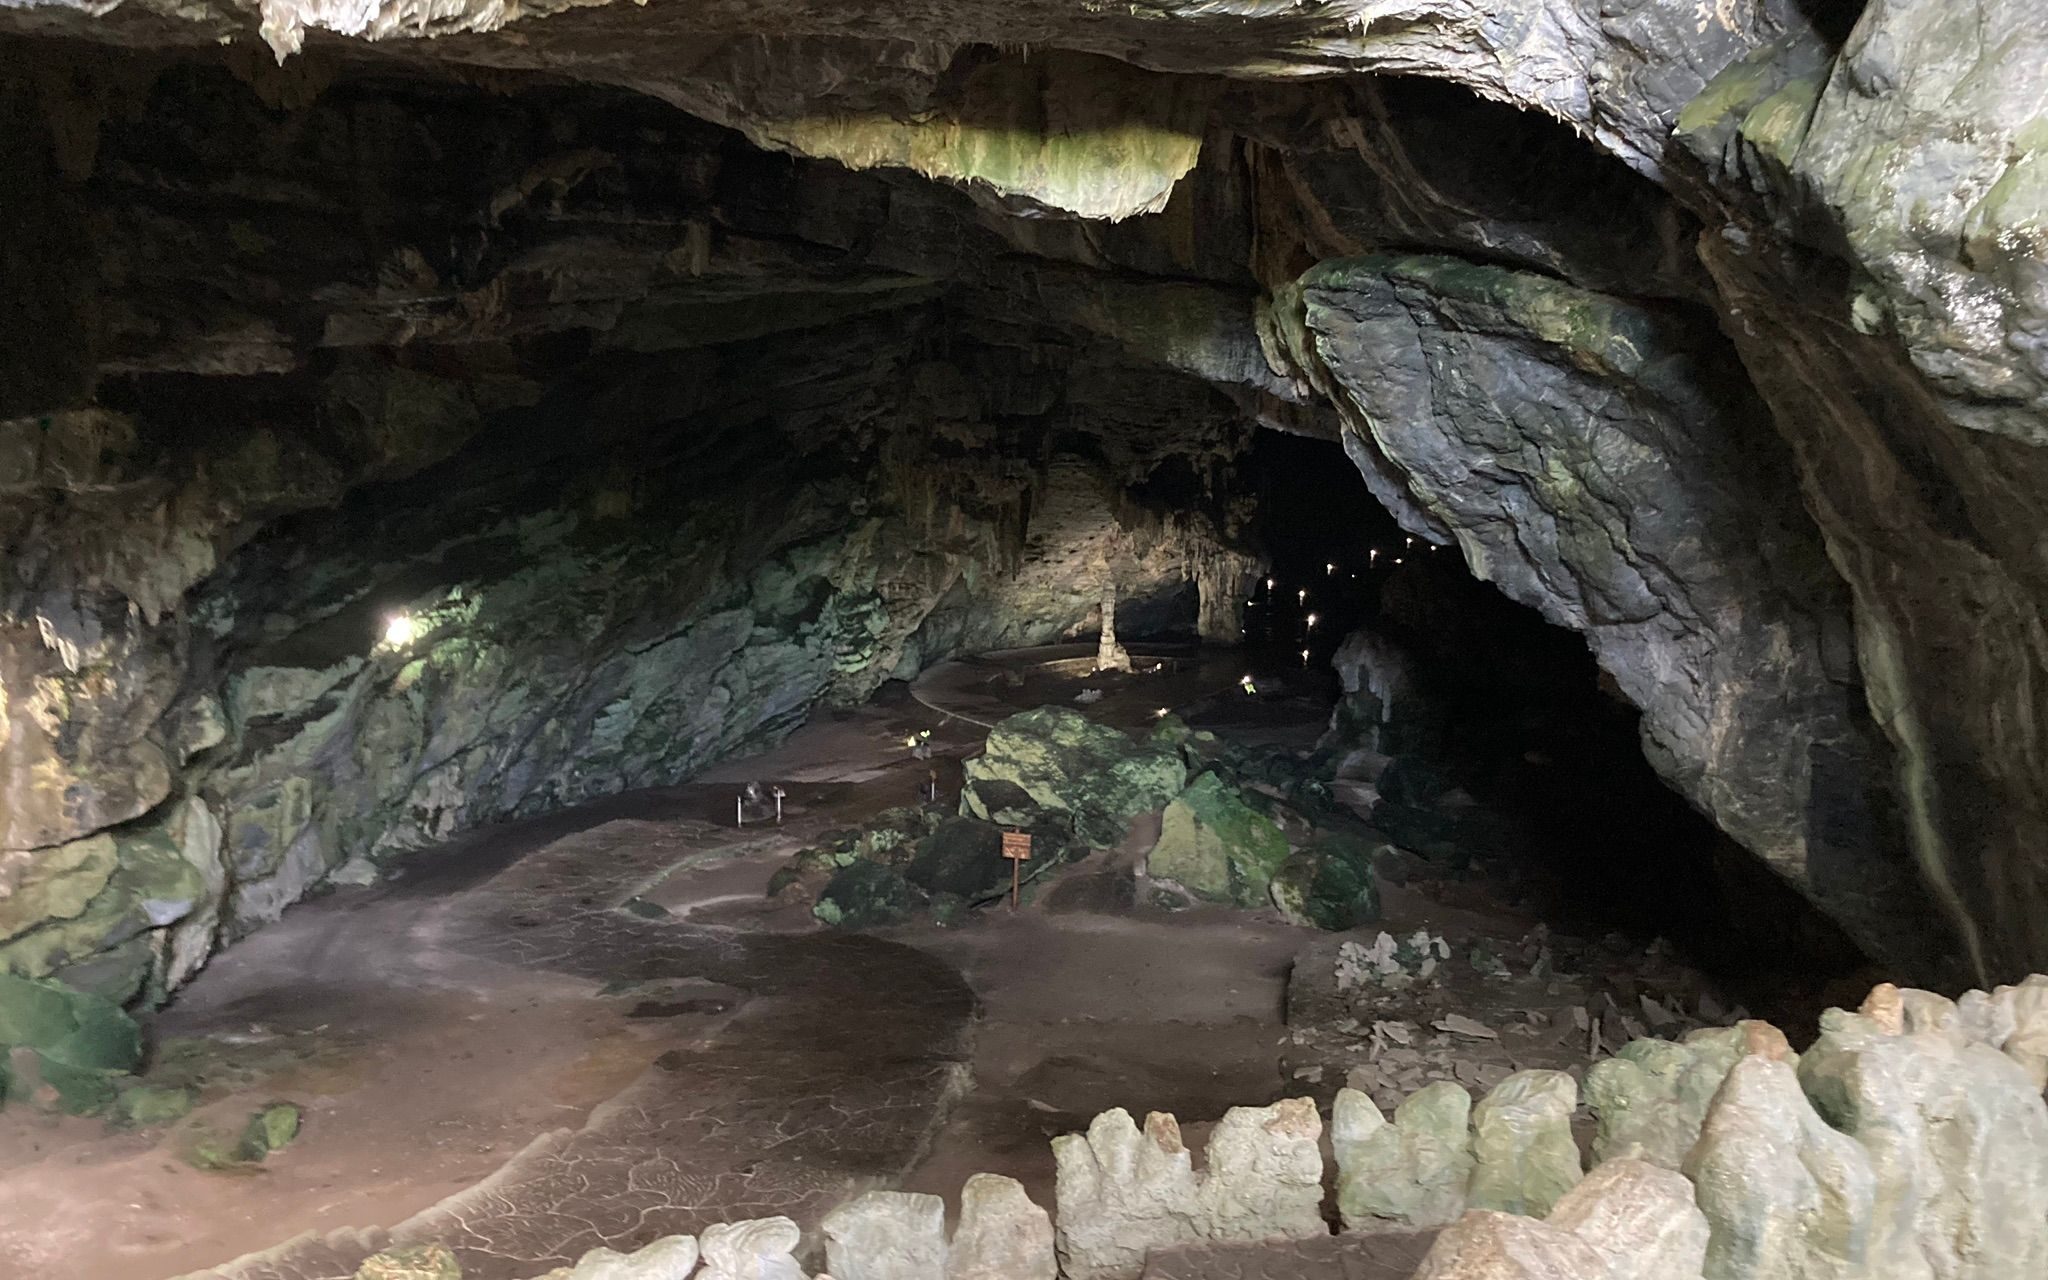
x=1017 y=848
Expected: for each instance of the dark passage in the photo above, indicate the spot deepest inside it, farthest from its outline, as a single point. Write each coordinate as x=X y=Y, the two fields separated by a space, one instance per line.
x=1570 y=818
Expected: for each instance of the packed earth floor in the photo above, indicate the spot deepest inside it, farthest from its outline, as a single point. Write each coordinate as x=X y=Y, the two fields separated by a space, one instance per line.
x=600 y=1027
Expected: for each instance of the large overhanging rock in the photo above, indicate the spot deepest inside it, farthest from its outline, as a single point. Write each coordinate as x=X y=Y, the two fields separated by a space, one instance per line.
x=1881 y=262
x=1600 y=461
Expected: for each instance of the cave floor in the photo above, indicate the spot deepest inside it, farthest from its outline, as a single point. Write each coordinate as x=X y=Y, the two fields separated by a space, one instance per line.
x=595 y=1028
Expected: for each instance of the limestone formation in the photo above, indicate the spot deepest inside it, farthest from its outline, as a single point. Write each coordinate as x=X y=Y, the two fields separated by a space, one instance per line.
x=758 y=1249
x=1524 y=1158
x=1652 y=1096
x=1412 y=1172
x=1122 y=1193
x=1488 y=1245
x=669 y=1258
x=1626 y=1221
x=887 y=1235
x=1640 y=1218
x=1786 y=1197
x=1001 y=1235
x=1957 y=1138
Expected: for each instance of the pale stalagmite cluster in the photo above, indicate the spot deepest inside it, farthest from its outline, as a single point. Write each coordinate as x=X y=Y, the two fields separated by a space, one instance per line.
x=1909 y=1142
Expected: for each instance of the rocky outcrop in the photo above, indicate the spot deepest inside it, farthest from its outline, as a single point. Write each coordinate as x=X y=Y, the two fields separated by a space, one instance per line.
x=1055 y=760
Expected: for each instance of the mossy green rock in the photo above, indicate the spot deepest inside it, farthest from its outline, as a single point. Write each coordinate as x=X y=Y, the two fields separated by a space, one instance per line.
x=1524 y=1157
x=1216 y=846
x=867 y=895
x=414 y=1262
x=146 y=1105
x=69 y=1027
x=271 y=1129
x=964 y=857
x=1057 y=759
x=44 y=1082
x=1329 y=885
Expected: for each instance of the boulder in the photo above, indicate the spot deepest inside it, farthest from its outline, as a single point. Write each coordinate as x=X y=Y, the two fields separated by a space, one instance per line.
x=1330 y=885
x=887 y=1235
x=1056 y=759
x=68 y=1027
x=1786 y=1197
x=867 y=895
x=1002 y=1235
x=142 y=1106
x=270 y=1130
x=1216 y=846
x=1524 y=1159
x=963 y=857
x=1410 y=1173
x=757 y=1249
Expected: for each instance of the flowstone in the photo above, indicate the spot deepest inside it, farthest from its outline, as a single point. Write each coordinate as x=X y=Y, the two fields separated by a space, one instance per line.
x=1524 y=1159
x=413 y=1262
x=1410 y=1173
x=1122 y=1193
x=887 y=1235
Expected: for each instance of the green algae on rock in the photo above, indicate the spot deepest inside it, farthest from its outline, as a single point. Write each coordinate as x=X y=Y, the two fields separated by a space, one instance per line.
x=1057 y=759
x=1216 y=846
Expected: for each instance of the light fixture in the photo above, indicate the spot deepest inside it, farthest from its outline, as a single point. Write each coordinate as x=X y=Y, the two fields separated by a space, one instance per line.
x=1330 y=568
x=1302 y=595
x=1162 y=713
x=1304 y=657
x=1314 y=618
x=400 y=630
x=1411 y=542
x=1269 y=584
x=1397 y=559
x=1372 y=557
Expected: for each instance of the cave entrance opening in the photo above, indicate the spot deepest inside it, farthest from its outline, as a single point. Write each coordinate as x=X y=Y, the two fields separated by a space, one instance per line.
x=1513 y=757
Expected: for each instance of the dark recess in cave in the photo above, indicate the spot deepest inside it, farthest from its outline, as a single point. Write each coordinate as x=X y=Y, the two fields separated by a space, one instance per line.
x=1521 y=716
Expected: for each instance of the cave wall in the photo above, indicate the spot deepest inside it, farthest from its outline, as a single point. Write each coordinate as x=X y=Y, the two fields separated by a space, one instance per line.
x=643 y=510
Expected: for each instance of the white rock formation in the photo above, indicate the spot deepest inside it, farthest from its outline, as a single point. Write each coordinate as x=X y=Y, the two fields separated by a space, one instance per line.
x=1640 y=1218
x=887 y=1235
x=1122 y=1193
x=1524 y=1158
x=1002 y=1235
x=758 y=1249
x=1410 y=1173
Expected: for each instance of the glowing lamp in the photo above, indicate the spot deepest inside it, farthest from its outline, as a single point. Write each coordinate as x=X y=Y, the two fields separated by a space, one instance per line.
x=400 y=630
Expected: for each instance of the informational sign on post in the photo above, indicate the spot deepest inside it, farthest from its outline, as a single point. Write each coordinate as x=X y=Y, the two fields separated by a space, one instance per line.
x=1017 y=848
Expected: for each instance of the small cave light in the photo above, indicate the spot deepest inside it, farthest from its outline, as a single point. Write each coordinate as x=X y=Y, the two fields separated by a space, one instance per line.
x=1304 y=657
x=1313 y=619
x=1330 y=568
x=1397 y=559
x=1269 y=584
x=1411 y=542
x=400 y=630
x=1302 y=595
x=1162 y=713
x=1372 y=556
x=1245 y=683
